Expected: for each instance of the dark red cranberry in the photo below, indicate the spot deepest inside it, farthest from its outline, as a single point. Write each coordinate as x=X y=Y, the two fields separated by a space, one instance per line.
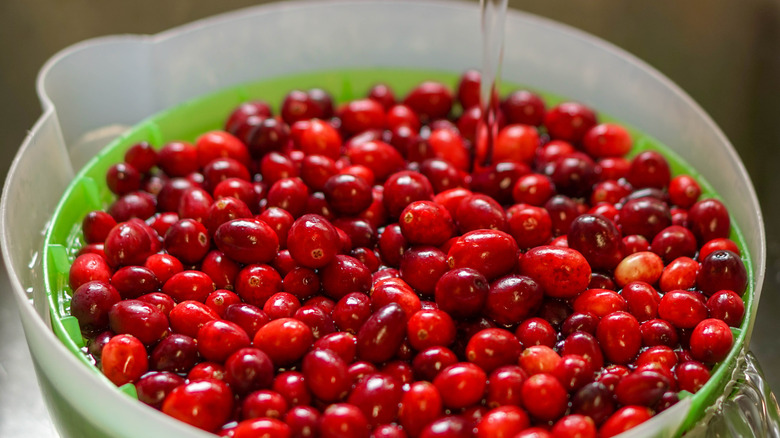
x=644 y=216
x=247 y=316
x=597 y=239
x=219 y=339
x=722 y=269
x=595 y=401
x=382 y=334
x=176 y=353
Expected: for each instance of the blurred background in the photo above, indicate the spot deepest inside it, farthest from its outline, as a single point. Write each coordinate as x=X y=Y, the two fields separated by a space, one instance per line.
x=724 y=54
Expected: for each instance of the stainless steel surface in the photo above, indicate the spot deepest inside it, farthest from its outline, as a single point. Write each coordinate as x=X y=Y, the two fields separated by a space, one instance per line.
x=725 y=54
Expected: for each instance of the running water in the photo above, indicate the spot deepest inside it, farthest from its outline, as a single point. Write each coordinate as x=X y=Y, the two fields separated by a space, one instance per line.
x=493 y=14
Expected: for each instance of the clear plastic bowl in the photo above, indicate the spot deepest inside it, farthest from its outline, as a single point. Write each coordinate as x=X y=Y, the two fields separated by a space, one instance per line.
x=94 y=91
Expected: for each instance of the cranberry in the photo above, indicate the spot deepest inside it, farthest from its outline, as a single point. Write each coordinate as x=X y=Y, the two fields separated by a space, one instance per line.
x=492 y=348
x=128 y=243
x=248 y=317
x=584 y=344
x=504 y=421
x=268 y=134
x=595 y=401
x=428 y=363
x=96 y=225
x=716 y=244
x=536 y=331
x=382 y=334
x=722 y=269
x=281 y=305
x=619 y=337
x=691 y=376
x=256 y=283
x=189 y=286
x=243 y=111
x=643 y=266
x=530 y=226
x=343 y=420
x=218 y=339
x=658 y=332
x=649 y=169
x=579 y=322
x=461 y=292
x=726 y=306
x=383 y=94
x=175 y=353
x=153 y=388
x=491 y=252
x=378 y=396
x=607 y=140
x=220 y=269
x=573 y=372
x=569 y=121
x=544 y=397
x=344 y=274
x=285 y=340
x=597 y=239
x=684 y=309
x=681 y=273
x=624 y=419
x=561 y=272
x=461 y=384
x=206 y=404
x=303 y=421
x=711 y=341
x=266 y=427
x=92 y=302
x=429 y=328
x=326 y=375
x=142 y=320
x=247 y=241
x=534 y=189
x=599 y=302
x=512 y=299
x=123 y=359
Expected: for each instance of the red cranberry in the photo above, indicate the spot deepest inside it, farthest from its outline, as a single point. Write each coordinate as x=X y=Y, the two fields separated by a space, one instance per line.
x=726 y=306
x=544 y=397
x=503 y=421
x=218 y=339
x=649 y=169
x=607 y=140
x=658 y=332
x=460 y=385
x=380 y=159
x=536 y=331
x=326 y=375
x=624 y=419
x=569 y=121
x=711 y=341
x=247 y=241
x=343 y=420
x=378 y=396
x=189 y=285
x=534 y=189
x=344 y=274
x=144 y=321
x=561 y=272
x=461 y=292
x=285 y=340
x=206 y=404
x=403 y=188
x=96 y=225
x=492 y=348
x=123 y=359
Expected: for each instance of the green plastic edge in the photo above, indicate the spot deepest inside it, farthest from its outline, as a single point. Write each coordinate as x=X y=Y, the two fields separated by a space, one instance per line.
x=187 y=120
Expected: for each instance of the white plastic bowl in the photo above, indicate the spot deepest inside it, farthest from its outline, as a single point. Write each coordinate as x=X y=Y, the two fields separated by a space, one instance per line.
x=93 y=91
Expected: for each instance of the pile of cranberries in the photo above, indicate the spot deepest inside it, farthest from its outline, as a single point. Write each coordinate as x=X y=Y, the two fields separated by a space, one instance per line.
x=349 y=271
